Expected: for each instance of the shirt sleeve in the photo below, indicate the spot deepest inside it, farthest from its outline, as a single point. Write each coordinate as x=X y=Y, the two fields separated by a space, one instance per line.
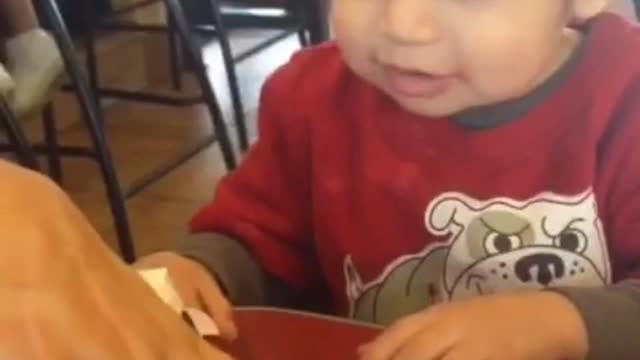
x=612 y=319
x=265 y=203
x=243 y=281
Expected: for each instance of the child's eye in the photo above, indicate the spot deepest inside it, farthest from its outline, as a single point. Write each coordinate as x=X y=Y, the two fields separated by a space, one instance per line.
x=496 y=243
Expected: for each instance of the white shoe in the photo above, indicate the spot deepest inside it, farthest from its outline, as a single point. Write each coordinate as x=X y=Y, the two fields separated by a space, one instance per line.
x=34 y=61
x=6 y=84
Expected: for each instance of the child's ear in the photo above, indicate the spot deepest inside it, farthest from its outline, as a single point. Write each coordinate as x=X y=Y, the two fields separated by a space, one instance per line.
x=583 y=10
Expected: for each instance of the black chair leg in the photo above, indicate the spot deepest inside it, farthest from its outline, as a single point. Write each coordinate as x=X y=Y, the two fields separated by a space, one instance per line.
x=25 y=154
x=175 y=55
x=51 y=142
x=303 y=38
x=93 y=117
x=229 y=64
x=88 y=12
x=300 y=12
x=317 y=20
x=174 y=7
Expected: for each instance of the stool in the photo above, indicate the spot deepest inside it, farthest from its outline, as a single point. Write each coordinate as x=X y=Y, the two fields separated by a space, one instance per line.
x=93 y=119
x=17 y=138
x=217 y=28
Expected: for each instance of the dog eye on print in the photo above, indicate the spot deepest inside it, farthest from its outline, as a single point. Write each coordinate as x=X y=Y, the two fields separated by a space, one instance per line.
x=491 y=246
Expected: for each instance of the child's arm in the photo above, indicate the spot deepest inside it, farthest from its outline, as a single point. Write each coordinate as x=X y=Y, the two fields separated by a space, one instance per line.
x=612 y=319
x=256 y=235
x=244 y=281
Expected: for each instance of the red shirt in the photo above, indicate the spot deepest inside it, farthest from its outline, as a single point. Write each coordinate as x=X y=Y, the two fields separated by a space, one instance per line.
x=346 y=187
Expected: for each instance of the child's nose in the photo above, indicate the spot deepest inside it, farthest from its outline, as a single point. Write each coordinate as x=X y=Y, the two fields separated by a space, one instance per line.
x=410 y=21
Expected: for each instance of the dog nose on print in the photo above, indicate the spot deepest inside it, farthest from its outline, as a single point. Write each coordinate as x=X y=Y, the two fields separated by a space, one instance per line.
x=542 y=268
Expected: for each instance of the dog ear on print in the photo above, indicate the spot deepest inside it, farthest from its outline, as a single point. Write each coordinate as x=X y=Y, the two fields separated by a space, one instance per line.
x=355 y=287
x=441 y=216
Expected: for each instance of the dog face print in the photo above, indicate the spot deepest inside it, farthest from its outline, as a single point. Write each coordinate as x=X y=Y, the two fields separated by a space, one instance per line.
x=501 y=244
x=490 y=246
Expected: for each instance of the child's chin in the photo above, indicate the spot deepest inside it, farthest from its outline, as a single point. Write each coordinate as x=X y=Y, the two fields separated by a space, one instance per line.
x=433 y=109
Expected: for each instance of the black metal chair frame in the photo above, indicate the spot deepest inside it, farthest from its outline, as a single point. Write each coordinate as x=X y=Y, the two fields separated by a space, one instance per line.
x=17 y=138
x=114 y=23
x=85 y=88
x=93 y=117
x=95 y=122
x=220 y=133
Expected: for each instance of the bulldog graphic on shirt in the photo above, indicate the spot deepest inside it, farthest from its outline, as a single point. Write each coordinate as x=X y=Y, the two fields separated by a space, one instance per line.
x=491 y=246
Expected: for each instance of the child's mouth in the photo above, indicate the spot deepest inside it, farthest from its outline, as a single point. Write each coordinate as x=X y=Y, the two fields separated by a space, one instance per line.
x=415 y=83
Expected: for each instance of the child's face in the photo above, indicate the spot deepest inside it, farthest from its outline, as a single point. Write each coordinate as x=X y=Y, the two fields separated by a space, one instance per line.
x=441 y=57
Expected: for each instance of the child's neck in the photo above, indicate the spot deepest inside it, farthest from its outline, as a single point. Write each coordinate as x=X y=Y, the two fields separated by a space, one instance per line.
x=568 y=44
x=561 y=66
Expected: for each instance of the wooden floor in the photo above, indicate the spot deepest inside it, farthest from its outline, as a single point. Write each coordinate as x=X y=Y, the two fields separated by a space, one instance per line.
x=143 y=136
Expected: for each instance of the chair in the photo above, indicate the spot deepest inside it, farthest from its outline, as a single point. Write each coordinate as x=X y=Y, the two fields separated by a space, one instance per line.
x=225 y=16
x=178 y=30
x=180 y=33
x=17 y=139
x=93 y=118
x=213 y=23
x=95 y=122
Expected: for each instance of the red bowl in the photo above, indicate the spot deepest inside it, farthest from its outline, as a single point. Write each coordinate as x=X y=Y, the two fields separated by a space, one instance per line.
x=270 y=334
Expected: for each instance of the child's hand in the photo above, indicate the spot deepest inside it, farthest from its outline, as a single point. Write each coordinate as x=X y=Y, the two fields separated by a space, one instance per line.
x=530 y=326
x=196 y=287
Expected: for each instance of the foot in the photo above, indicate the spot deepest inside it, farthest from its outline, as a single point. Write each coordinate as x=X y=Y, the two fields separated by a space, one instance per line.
x=34 y=61
x=6 y=84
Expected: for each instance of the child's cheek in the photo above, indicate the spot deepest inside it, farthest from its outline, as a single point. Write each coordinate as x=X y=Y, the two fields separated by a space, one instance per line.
x=356 y=46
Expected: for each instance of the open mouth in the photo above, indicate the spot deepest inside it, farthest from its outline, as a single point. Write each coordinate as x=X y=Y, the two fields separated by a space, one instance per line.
x=410 y=83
